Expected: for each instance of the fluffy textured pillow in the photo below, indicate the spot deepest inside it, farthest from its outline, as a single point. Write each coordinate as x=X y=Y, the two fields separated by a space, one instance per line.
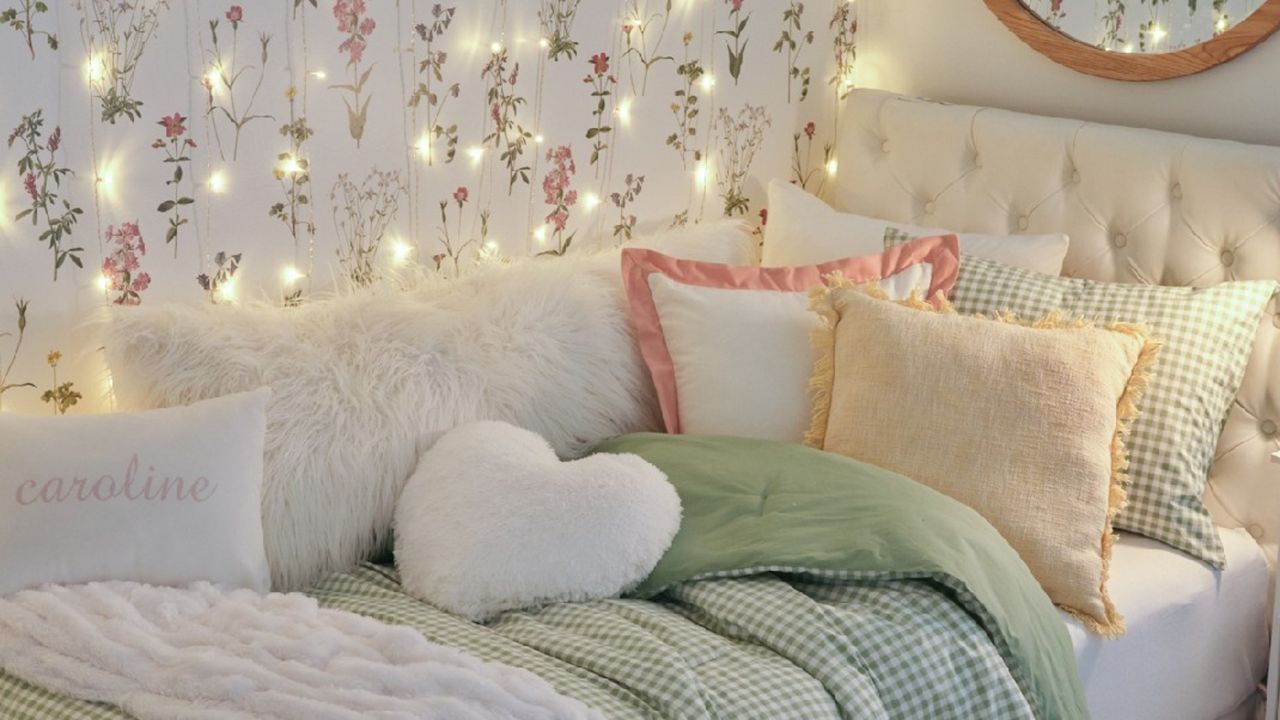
x=164 y=497
x=492 y=520
x=364 y=383
x=1208 y=336
x=1025 y=424
x=803 y=229
x=727 y=346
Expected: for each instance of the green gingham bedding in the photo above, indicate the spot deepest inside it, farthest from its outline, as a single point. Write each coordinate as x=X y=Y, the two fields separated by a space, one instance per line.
x=772 y=645
x=801 y=584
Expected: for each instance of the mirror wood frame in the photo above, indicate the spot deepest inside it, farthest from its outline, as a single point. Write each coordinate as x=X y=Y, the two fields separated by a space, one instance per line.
x=1136 y=67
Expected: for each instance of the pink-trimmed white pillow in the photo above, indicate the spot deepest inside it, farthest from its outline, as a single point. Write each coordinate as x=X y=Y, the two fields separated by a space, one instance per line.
x=728 y=347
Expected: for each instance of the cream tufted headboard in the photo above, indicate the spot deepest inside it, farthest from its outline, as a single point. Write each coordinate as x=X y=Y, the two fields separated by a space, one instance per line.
x=1140 y=206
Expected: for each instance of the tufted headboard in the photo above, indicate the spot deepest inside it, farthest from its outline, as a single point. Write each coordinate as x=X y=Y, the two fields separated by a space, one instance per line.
x=1140 y=206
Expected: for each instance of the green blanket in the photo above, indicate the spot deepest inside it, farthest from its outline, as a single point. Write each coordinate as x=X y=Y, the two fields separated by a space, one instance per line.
x=752 y=505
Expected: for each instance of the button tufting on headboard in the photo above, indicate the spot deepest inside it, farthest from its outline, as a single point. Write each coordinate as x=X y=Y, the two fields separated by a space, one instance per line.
x=1140 y=206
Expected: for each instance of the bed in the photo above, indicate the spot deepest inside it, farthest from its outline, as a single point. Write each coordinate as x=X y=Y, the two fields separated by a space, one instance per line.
x=1139 y=206
x=1143 y=207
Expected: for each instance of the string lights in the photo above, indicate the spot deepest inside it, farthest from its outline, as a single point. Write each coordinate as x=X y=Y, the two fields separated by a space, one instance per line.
x=217 y=183
x=226 y=292
x=290 y=275
x=401 y=251
x=96 y=69
x=289 y=165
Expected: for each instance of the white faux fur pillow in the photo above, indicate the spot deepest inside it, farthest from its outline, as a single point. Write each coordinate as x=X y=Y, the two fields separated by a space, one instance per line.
x=492 y=520
x=362 y=384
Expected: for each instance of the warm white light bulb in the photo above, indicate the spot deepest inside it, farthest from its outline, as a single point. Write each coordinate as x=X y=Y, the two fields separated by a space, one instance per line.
x=96 y=69
x=218 y=182
x=544 y=43
x=103 y=283
x=700 y=174
x=540 y=233
x=291 y=275
x=213 y=78
x=318 y=74
x=707 y=82
x=491 y=245
x=106 y=179
x=590 y=201
x=1221 y=25
x=400 y=252
x=1158 y=33
x=290 y=165
x=495 y=47
x=538 y=138
x=832 y=166
x=1128 y=48
x=476 y=153
x=423 y=146
x=227 y=289
x=623 y=112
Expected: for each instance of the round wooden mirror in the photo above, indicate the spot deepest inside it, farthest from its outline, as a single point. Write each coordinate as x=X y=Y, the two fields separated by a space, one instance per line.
x=1140 y=40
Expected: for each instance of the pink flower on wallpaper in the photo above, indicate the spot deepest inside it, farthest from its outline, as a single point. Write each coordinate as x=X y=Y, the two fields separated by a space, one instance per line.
x=460 y=195
x=29 y=182
x=351 y=20
x=556 y=191
x=556 y=182
x=173 y=125
x=234 y=15
x=354 y=47
x=55 y=139
x=600 y=63
x=810 y=129
x=737 y=4
x=119 y=267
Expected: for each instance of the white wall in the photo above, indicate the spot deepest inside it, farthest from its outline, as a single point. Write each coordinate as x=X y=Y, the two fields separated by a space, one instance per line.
x=957 y=51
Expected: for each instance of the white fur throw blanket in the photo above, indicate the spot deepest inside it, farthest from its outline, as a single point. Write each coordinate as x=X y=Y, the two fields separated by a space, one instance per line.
x=203 y=653
x=363 y=384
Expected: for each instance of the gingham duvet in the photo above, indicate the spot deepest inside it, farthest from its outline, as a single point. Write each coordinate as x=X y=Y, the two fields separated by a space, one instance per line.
x=766 y=646
x=801 y=585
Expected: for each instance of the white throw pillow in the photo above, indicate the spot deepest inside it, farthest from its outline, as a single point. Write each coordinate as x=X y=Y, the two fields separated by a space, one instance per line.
x=492 y=520
x=803 y=229
x=164 y=497
x=728 y=347
x=364 y=383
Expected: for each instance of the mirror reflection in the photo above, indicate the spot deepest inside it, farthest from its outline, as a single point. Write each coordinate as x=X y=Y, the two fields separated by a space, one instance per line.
x=1142 y=26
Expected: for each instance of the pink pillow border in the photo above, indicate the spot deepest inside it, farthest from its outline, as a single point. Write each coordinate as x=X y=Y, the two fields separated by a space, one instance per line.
x=942 y=252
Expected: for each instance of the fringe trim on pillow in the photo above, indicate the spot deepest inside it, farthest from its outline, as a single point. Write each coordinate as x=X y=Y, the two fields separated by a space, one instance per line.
x=822 y=301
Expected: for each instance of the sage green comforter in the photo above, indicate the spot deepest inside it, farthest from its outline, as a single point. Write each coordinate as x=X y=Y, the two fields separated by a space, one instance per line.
x=801 y=585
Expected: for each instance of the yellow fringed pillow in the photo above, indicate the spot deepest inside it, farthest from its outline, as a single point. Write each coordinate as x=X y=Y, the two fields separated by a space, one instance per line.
x=1024 y=423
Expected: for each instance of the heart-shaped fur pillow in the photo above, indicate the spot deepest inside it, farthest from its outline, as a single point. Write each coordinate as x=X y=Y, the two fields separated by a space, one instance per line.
x=492 y=520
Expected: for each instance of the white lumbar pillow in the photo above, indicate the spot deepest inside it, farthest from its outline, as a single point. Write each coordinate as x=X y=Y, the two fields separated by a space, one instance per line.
x=804 y=230
x=492 y=520
x=164 y=497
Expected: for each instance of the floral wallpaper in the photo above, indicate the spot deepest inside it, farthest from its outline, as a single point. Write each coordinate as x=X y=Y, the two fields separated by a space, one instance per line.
x=276 y=151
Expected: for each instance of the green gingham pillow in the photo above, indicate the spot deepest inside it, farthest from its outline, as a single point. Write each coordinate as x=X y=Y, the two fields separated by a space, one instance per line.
x=1208 y=337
